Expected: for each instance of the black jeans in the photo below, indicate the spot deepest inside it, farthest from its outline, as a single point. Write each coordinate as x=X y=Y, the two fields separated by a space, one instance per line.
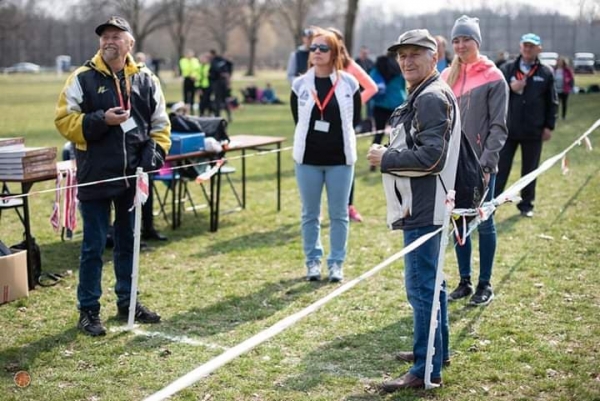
x=531 y=151
x=563 y=97
x=189 y=92
x=381 y=117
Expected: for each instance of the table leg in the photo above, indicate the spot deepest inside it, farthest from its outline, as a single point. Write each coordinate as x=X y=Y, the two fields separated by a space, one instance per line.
x=173 y=185
x=279 y=177
x=25 y=187
x=243 y=178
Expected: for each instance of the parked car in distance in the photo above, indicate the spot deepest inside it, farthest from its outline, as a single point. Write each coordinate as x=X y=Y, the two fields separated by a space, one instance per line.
x=23 y=67
x=549 y=58
x=584 y=62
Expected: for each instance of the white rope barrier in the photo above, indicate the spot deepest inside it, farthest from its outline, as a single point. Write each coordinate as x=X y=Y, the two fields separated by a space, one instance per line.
x=215 y=363
x=210 y=366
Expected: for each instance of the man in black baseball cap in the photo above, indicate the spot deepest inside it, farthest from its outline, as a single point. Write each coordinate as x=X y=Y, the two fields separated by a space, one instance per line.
x=117 y=22
x=113 y=110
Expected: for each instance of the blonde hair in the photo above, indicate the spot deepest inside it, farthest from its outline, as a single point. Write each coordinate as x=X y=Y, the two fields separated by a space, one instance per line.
x=454 y=73
x=335 y=46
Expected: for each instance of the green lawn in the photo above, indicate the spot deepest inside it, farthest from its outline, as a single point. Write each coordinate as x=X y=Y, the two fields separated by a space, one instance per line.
x=538 y=340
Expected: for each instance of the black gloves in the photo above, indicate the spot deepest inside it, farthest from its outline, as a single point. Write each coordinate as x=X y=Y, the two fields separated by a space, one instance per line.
x=153 y=156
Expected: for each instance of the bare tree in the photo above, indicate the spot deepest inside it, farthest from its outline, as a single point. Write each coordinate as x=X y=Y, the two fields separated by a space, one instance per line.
x=294 y=14
x=182 y=15
x=349 y=23
x=254 y=13
x=144 y=17
x=219 y=18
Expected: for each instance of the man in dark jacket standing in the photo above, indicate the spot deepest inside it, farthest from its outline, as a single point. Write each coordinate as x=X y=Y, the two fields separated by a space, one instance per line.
x=113 y=110
x=532 y=109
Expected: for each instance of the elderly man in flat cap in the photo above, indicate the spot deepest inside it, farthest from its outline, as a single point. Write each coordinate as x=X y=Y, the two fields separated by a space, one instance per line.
x=417 y=167
x=113 y=110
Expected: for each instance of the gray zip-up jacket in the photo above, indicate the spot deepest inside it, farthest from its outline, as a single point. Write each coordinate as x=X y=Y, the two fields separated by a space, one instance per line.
x=424 y=147
x=482 y=95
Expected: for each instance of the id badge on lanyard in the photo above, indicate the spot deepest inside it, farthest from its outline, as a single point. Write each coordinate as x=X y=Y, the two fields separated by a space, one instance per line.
x=322 y=125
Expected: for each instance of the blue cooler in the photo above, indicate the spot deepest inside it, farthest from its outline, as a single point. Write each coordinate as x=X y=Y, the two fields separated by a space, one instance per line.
x=186 y=142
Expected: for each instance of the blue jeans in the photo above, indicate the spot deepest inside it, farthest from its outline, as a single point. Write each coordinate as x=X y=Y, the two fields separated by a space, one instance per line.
x=96 y=220
x=420 y=267
x=337 y=181
x=487 y=245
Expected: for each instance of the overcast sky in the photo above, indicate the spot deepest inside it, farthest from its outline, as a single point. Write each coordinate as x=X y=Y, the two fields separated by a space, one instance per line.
x=568 y=7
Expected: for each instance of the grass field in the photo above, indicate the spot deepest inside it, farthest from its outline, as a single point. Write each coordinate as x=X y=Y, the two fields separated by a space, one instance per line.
x=538 y=340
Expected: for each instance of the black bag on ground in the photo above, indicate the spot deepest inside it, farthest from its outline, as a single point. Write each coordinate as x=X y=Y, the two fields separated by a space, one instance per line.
x=35 y=257
x=39 y=278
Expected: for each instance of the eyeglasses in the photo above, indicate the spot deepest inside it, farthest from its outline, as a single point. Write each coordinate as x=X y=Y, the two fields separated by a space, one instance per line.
x=322 y=48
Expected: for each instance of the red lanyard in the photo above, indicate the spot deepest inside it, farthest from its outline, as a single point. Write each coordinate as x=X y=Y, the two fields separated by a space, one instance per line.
x=128 y=89
x=320 y=105
x=519 y=74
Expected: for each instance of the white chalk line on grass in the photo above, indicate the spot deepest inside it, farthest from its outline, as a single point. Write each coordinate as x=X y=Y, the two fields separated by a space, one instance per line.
x=176 y=339
x=210 y=366
x=232 y=353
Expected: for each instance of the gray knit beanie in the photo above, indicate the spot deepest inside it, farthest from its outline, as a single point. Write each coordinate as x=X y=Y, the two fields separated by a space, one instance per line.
x=467 y=26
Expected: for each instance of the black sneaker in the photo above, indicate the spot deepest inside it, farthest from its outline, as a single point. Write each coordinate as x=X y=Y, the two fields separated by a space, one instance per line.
x=483 y=295
x=142 y=314
x=90 y=323
x=464 y=289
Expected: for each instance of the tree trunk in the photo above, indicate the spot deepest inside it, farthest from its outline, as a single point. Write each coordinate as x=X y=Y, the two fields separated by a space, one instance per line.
x=349 y=24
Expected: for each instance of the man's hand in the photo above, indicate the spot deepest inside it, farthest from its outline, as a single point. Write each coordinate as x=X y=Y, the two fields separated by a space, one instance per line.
x=115 y=116
x=546 y=134
x=518 y=86
x=375 y=154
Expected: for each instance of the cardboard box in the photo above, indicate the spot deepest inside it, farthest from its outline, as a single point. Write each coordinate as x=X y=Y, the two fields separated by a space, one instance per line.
x=13 y=277
x=186 y=142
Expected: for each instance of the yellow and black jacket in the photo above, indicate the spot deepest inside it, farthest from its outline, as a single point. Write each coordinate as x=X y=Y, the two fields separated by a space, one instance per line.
x=105 y=152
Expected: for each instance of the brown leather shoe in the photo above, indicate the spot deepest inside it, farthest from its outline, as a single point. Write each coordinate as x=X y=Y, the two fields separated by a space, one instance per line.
x=408 y=356
x=408 y=380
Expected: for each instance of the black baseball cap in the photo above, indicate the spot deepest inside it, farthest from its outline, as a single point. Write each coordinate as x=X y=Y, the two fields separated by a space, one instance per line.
x=117 y=22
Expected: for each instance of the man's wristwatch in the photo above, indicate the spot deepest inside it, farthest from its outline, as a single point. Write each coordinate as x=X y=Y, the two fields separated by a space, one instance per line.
x=487 y=170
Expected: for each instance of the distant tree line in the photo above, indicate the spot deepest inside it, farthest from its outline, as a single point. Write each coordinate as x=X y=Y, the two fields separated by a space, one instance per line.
x=261 y=33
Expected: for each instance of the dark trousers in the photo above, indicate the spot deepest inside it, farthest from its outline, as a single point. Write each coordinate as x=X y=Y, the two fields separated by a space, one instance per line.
x=189 y=92
x=219 y=90
x=562 y=98
x=381 y=117
x=205 y=106
x=96 y=221
x=531 y=151
x=148 y=209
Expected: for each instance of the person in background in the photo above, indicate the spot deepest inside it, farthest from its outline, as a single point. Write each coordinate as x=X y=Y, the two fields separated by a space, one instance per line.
x=203 y=84
x=502 y=58
x=369 y=88
x=189 y=67
x=419 y=163
x=391 y=92
x=444 y=59
x=268 y=95
x=563 y=81
x=325 y=104
x=482 y=95
x=298 y=60
x=219 y=74
x=149 y=232
x=363 y=59
x=532 y=111
x=114 y=113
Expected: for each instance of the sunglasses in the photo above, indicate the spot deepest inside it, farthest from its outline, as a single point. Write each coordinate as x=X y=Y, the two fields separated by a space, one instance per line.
x=321 y=48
